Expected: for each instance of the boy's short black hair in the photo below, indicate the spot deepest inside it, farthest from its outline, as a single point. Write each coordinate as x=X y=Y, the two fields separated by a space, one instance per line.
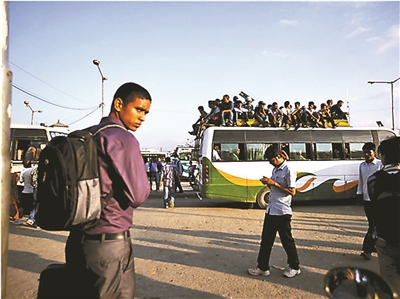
x=130 y=91
x=369 y=146
x=272 y=152
x=391 y=149
x=167 y=159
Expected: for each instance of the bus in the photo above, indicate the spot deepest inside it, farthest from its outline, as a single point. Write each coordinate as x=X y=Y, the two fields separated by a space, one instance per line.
x=24 y=137
x=185 y=154
x=148 y=154
x=326 y=161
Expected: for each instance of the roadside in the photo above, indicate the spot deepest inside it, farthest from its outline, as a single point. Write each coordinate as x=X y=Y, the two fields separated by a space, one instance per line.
x=202 y=249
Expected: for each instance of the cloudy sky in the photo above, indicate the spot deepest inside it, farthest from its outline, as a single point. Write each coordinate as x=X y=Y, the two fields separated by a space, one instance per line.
x=186 y=53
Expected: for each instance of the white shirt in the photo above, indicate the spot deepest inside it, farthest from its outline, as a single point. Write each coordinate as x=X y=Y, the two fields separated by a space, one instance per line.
x=215 y=156
x=26 y=179
x=365 y=170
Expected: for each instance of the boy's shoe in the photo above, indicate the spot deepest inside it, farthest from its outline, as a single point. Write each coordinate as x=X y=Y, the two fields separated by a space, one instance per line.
x=291 y=272
x=30 y=222
x=256 y=271
x=171 y=203
x=366 y=255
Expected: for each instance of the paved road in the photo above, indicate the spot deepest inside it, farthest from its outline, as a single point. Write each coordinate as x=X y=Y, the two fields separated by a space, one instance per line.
x=201 y=249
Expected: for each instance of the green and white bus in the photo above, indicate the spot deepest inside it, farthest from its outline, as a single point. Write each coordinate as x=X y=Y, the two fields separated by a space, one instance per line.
x=326 y=161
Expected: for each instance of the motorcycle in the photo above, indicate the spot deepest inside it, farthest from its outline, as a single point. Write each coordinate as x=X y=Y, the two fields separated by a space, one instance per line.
x=345 y=282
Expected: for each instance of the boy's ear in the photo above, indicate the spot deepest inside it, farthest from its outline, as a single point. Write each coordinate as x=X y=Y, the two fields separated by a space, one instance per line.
x=118 y=103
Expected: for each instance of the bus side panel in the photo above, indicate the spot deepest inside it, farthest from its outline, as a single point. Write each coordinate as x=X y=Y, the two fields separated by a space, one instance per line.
x=221 y=187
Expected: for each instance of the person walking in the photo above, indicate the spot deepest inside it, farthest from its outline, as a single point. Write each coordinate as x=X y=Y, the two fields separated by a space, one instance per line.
x=179 y=169
x=384 y=192
x=34 y=182
x=155 y=168
x=278 y=215
x=170 y=176
x=366 y=168
x=101 y=258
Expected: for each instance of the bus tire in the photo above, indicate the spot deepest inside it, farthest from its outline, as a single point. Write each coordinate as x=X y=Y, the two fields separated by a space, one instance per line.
x=263 y=197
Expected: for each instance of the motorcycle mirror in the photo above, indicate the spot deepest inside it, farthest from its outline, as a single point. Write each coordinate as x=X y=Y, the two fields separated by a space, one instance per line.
x=355 y=283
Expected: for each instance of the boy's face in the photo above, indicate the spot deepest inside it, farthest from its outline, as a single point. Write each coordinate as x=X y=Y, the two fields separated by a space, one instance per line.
x=369 y=155
x=133 y=114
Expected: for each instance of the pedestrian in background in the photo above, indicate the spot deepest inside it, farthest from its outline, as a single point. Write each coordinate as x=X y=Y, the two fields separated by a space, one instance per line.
x=101 y=258
x=170 y=177
x=179 y=168
x=278 y=215
x=366 y=168
x=384 y=192
x=26 y=201
x=34 y=182
x=155 y=169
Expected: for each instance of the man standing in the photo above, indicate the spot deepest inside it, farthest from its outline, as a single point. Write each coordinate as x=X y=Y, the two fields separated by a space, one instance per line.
x=26 y=201
x=384 y=191
x=368 y=167
x=170 y=177
x=179 y=169
x=155 y=168
x=101 y=258
x=278 y=215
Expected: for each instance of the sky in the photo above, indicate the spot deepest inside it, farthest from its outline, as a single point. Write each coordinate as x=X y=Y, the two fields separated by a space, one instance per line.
x=187 y=53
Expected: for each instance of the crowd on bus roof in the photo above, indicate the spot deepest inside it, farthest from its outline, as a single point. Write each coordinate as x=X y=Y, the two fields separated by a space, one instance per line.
x=235 y=112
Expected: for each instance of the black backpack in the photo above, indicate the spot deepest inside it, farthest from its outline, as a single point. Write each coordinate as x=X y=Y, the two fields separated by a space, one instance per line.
x=68 y=191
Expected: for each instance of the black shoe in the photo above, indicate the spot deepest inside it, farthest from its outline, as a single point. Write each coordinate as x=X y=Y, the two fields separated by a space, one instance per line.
x=366 y=255
x=296 y=127
x=192 y=133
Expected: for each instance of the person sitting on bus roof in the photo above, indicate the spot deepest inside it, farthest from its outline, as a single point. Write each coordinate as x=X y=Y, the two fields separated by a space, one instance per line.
x=287 y=115
x=226 y=108
x=196 y=126
x=250 y=108
x=261 y=115
x=214 y=116
x=297 y=116
x=240 y=113
x=337 y=112
x=325 y=116
x=275 y=116
x=312 y=115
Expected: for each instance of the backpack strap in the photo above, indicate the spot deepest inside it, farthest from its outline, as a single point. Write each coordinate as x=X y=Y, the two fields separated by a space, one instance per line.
x=108 y=126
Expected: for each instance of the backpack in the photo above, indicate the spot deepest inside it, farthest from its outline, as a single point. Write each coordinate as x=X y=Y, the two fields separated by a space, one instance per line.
x=68 y=191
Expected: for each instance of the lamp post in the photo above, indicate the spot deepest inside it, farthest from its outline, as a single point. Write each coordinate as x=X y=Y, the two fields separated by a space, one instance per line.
x=391 y=83
x=33 y=111
x=97 y=63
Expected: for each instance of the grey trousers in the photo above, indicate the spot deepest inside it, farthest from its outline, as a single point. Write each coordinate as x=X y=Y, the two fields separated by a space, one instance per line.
x=101 y=268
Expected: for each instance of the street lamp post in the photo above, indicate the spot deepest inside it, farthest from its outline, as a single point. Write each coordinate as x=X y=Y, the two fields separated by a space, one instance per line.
x=97 y=63
x=33 y=111
x=391 y=84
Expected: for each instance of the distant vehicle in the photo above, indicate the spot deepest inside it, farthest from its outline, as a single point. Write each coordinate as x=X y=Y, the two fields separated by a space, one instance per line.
x=23 y=137
x=148 y=154
x=326 y=161
x=185 y=154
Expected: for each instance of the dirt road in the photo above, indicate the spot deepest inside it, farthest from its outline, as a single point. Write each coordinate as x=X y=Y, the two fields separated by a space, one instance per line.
x=202 y=249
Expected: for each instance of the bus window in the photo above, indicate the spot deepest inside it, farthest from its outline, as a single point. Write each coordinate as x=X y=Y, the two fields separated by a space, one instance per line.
x=337 y=151
x=323 y=151
x=232 y=152
x=255 y=151
x=297 y=152
x=355 y=151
